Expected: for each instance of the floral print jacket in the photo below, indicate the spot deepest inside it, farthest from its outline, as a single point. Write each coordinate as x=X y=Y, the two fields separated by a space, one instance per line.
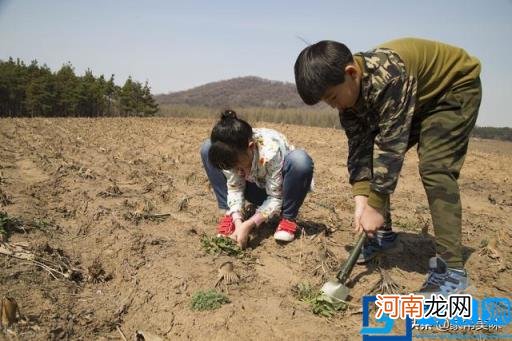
x=266 y=172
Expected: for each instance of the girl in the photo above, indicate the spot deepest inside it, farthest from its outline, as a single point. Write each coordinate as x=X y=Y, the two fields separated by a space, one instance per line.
x=258 y=165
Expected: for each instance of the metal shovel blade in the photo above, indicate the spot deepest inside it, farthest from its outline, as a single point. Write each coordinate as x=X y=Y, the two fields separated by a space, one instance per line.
x=333 y=291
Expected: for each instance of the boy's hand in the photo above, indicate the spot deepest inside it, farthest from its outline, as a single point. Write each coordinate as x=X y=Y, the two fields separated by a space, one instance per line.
x=371 y=220
x=242 y=230
x=361 y=202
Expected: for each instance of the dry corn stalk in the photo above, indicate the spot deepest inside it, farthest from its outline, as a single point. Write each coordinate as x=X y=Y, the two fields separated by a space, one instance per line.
x=227 y=274
x=9 y=311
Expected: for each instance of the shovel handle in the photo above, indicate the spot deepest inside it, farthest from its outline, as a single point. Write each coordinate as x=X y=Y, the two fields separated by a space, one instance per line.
x=345 y=271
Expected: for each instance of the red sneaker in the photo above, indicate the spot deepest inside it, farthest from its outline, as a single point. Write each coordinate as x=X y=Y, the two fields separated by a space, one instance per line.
x=286 y=230
x=226 y=226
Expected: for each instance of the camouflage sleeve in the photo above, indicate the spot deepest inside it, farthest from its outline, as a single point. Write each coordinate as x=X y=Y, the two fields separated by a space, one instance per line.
x=398 y=100
x=360 y=147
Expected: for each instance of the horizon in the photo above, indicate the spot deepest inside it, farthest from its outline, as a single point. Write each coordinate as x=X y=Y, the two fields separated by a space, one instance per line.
x=227 y=79
x=177 y=47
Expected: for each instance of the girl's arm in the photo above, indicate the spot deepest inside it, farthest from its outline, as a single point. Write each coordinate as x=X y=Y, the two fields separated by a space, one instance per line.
x=274 y=187
x=236 y=187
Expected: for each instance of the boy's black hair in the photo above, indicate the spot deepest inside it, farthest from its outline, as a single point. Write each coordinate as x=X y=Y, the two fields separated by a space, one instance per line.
x=230 y=136
x=320 y=66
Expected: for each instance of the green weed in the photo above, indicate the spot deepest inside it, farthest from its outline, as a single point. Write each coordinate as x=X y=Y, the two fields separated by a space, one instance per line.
x=7 y=224
x=320 y=305
x=220 y=245
x=208 y=300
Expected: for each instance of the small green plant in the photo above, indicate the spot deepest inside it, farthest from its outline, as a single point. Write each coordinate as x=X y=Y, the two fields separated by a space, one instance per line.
x=484 y=242
x=325 y=307
x=407 y=224
x=208 y=300
x=304 y=292
x=217 y=245
x=320 y=304
x=7 y=224
x=40 y=224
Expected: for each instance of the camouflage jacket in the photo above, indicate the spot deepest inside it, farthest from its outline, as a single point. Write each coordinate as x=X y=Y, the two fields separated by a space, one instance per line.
x=379 y=125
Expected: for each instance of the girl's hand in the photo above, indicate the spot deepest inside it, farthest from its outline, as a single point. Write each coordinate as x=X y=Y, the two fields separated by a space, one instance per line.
x=361 y=202
x=238 y=222
x=241 y=234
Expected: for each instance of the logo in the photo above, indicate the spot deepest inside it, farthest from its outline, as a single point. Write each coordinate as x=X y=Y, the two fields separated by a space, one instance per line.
x=383 y=332
x=398 y=317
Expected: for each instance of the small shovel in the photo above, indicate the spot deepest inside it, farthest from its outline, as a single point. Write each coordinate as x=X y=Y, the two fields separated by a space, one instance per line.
x=335 y=290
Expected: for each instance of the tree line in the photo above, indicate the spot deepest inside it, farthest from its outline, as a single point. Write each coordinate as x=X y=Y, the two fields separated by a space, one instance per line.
x=494 y=133
x=34 y=90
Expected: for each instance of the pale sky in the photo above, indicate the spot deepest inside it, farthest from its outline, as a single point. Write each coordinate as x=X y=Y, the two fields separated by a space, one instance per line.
x=176 y=45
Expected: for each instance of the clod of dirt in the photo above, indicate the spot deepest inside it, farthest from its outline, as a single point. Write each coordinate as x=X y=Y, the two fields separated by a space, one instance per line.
x=143 y=211
x=5 y=199
x=137 y=161
x=148 y=187
x=183 y=204
x=100 y=212
x=491 y=199
x=86 y=173
x=61 y=332
x=96 y=273
x=490 y=249
x=191 y=177
x=123 y=308
x=145 y=336
x=192 y=231
x=165 y=193
x=111 y=191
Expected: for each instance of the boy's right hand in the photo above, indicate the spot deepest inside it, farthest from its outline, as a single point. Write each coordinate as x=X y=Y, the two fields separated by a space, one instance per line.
x=361 y=202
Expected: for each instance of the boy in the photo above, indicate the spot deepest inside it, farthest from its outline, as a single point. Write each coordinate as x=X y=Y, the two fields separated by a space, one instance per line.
x=405 y=92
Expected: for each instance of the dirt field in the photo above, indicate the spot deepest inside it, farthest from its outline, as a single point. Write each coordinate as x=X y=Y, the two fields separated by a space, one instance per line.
x=89 y=195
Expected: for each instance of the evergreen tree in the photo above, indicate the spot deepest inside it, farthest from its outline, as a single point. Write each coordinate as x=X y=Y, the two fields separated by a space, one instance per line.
x=150 y=106
x=66 y=86
x=90 y=99
x=33 y=90
x=40 y=93
x=110 y=94
x=127 y=101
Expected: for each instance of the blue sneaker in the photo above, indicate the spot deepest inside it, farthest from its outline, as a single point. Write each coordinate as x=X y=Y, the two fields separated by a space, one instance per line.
x=442 y=280
x=382 y=242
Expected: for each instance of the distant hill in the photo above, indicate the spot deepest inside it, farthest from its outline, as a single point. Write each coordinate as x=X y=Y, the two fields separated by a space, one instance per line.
x=247 y=91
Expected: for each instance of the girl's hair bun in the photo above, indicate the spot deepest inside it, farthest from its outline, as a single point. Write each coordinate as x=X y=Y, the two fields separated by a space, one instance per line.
x=228 y=114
